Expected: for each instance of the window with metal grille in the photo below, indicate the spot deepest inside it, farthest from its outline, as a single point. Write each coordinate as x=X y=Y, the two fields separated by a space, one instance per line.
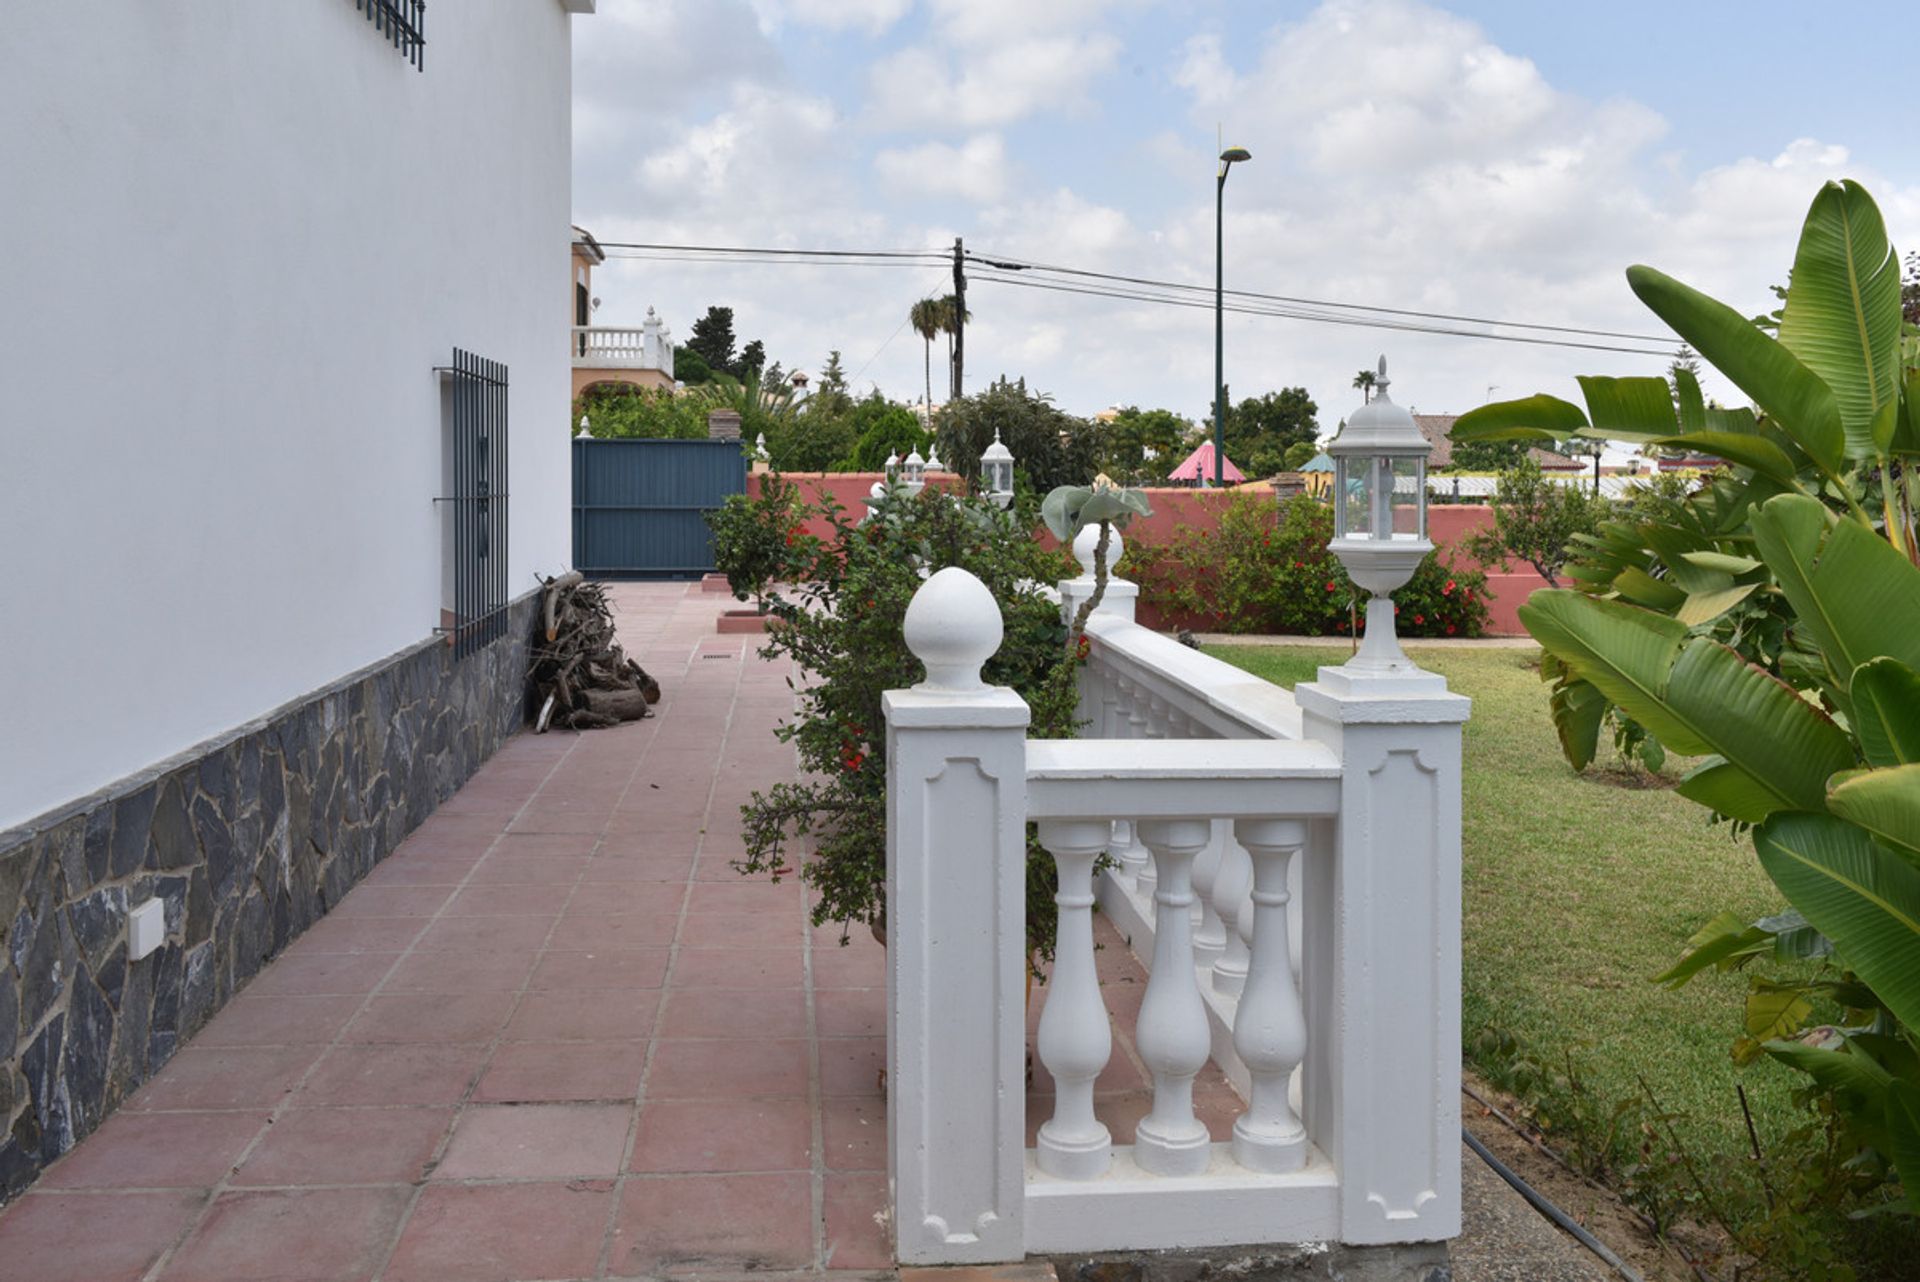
x=474 y=506
x=403 y=23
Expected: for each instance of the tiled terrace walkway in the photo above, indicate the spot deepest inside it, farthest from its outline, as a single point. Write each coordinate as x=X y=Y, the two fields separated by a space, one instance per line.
x=554 y=1036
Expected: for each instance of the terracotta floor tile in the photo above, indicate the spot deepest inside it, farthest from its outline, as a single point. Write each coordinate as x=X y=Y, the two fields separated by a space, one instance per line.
x=320 y=973
x=226 y=1077
x=431 y=1017
x=857 y=1207
x=360 y=935
x=694 y=1012
x=346 y=1146
x=619 y=969
x=851 y=1012
x=600 y=1016
x=748 y=896
x=723 y=1135
x=570 y=844
x=853 y=1066
x=503 y=1233
x=635 y=899
x=390 y=901
x=157 y=1150
x=56 y=1237
x=529 y=870
x=393 y=1074
x=292 y=1235
x=536 y=1141
x=525 y=900
x=496 y=970
x=720 y=1070
x=622 y=930
x=477 y=934
x=524 y=1072
x=745 y=930
x=702 y=1223
x=646 y=864
x=748 y=968
x=404 y=868
x=850 y=967
x=278 y=1020
x=854 y=1134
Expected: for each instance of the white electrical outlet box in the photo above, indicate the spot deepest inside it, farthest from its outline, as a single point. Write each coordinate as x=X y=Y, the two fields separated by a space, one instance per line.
x=146 y=928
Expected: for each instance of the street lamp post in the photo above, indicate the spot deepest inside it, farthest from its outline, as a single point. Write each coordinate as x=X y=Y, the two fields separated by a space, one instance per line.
x=1227 y=160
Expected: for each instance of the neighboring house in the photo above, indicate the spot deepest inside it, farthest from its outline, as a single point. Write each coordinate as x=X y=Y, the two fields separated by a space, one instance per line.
x=637 y=357
x=282 y=352
x=1438 y=429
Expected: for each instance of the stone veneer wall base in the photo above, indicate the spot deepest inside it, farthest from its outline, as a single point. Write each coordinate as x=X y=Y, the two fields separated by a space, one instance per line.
x=249 y=838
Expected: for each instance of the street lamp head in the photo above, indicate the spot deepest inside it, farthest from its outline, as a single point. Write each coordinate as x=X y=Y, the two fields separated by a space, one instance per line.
x=1234 y=154
x=996 y=471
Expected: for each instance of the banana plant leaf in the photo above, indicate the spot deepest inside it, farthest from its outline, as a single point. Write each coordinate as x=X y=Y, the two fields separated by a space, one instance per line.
x=1534 y=418
x=1886 y=712
x=1756 y=452
x=1777 y=380
x=1858 y=1083
x=1629 y=409
x=1697 y=697
x=1903 y=1137
x=1887 y=804
x=1705 y=607
x=1856 y=597
x=1842 y=317
x=1863 y=897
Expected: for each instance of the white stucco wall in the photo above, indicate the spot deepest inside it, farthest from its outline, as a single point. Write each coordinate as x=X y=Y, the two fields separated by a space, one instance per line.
x=236 y=236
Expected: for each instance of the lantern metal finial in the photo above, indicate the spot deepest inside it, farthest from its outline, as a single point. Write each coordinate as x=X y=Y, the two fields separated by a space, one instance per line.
x=1380 y=380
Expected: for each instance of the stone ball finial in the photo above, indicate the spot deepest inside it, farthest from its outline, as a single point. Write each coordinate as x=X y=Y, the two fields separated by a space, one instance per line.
x=1089 y=538
x=953 y=627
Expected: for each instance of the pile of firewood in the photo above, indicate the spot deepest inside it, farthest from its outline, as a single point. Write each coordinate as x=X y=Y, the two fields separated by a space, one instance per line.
x=582 y=679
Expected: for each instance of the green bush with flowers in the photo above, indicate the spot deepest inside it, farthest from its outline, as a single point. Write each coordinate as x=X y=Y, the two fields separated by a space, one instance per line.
x=839 y=603
x=1266 y=569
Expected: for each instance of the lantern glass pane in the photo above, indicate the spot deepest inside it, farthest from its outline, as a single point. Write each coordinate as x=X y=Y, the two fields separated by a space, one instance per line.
x=1353 y=479
x=1000 y=476
x=1408 y=478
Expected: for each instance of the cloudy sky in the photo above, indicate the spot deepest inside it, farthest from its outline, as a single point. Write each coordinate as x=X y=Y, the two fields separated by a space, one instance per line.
x=1500 y=159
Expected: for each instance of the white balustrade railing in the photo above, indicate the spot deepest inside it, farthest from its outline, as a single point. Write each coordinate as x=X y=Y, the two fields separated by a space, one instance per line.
x=1288 y=871
x=621 y=347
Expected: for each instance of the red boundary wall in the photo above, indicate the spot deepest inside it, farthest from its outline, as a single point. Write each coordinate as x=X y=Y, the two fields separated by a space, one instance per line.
x=1447 y=525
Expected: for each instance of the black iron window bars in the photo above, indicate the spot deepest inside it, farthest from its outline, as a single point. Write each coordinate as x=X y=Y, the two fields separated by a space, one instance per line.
x=403 y=23
x=477 y=520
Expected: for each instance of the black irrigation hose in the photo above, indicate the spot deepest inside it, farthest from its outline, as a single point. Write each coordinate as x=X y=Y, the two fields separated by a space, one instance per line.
x=1548 y=1209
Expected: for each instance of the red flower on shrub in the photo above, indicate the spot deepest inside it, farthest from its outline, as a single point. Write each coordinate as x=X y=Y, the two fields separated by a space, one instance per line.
x=1085 y=647
x=852 y=761
x=1448 y=590
x=1449 y=629
x=1329 y=585
x=1419 y=618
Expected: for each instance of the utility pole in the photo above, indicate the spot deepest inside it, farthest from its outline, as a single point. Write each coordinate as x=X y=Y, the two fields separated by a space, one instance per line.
x=959 y=318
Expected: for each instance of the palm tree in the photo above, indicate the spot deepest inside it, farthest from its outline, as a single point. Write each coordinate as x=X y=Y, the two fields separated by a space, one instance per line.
x=926 y=319
x=950 y=322
x=1365 y=381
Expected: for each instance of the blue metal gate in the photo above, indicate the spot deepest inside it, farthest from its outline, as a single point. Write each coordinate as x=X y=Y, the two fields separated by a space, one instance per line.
x=639 y=506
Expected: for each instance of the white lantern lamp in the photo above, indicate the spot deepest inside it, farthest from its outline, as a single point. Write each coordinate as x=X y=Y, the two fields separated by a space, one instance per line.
x=892 y=465
x=913 y=472
x=933 y=459
x=996 y=472
x=1380 y=530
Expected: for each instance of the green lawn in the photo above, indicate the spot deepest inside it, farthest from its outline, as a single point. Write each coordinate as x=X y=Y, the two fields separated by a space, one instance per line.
x=1576 y=891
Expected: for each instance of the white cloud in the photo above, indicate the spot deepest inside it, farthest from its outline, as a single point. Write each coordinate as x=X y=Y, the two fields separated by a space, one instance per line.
x=876 y=16
x=991 y=86
x=976 y=170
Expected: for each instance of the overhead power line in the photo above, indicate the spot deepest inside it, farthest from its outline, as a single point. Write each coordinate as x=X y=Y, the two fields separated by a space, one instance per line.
x=1029 y=274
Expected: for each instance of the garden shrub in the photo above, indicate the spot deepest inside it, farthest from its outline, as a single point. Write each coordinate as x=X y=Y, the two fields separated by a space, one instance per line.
x=1267 y=569
x=839 y=604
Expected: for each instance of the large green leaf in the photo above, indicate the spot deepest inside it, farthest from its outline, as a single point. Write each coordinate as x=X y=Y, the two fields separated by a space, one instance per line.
x=1774 y=377
x=1695 y=695
x=1864 y=898
x=1884 y=802
x=1629 y=409
x=1886 y=712
x=1859 y=1084
x=1729 y=790
x=1854 y=595
x=1577 y=709
x=1692 y=406
x=1705 y=607
x=1535 y=418
x=1842 y=317
x=1903 y=1136
x=1756 y=452
x=1641 y=588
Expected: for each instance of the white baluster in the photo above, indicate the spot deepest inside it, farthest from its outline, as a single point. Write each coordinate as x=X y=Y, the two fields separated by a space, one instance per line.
x=1209 y=936
x=1270 y=1031
x=1126 y=845
x=1075 y=1040
x=1172 y=1033
x=1158 y=710
x=1133 y=708
x=1230 y=889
